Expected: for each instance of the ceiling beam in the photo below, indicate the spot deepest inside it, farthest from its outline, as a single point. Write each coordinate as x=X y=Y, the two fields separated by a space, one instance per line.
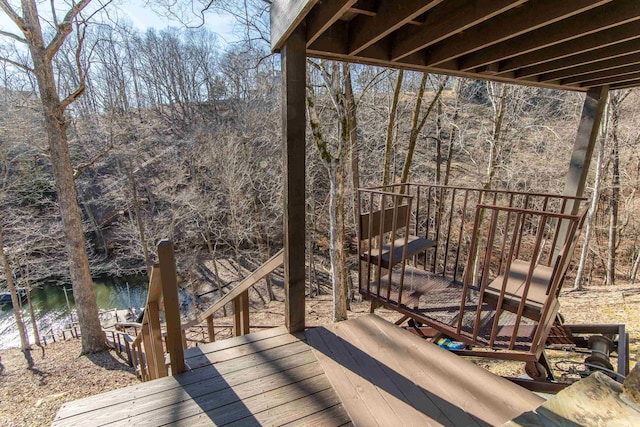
x=365 y=30
x=324 y=15
x=285 y=16
x=595 y=20
x=626 y=85
x=584 y=49
x=552 y=64
x=603 y=74
x=611 y=80
x=446 y=20
x=333 y=40
x=528 y=17
x=449 y=68
x=365 y=7
x=607 y=64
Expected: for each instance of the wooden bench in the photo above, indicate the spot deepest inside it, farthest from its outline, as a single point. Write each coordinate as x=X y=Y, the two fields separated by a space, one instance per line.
x=515 y=285
x=395 y=220
x=415 y=245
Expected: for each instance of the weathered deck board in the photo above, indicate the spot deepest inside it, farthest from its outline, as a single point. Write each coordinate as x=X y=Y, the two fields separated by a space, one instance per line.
x=365 y=372
x=371 y=362
x=270 y=377
x=226 y=364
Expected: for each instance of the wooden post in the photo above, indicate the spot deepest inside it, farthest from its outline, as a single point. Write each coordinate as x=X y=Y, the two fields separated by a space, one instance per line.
x=244 y=310
x=156 y=350
x=592 y=110
x=149 y=354
x=171 y=305
x=293 y=60
x=210 y=329
x=237 y=318
x=241 y=314
x=586 y=137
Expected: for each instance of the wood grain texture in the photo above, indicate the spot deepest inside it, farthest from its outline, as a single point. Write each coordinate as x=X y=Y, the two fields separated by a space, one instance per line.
x=371 y=362
x=294 y=68
x=168 y=275
x=266 y=378
x=286 y=16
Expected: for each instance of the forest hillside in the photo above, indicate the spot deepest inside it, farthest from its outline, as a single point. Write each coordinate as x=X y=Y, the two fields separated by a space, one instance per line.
x=178 y=136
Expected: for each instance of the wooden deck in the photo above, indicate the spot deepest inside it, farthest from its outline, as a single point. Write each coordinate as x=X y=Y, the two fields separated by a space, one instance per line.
x=387 y=376
x=365 y=372
x=266 y=378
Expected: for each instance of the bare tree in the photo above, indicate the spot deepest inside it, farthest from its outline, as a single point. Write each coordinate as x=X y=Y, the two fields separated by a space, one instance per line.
x=333 y=154
x=615 y=101
x=42 y=52
x=393 y=112
x=15 y=298
x=418 y=123
x=593 y=207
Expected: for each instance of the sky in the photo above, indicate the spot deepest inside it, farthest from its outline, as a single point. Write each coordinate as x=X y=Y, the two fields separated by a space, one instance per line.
x=144 y=18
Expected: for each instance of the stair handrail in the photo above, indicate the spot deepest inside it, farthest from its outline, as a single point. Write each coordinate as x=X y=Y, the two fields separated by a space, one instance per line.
x=235 y=295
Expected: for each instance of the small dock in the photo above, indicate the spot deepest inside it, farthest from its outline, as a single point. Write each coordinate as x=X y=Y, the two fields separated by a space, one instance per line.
x=365 y=372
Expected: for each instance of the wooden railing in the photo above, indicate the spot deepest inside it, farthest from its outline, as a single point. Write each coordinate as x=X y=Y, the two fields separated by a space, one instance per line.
x=147 y=350
x=446 y=214
x=239 y=295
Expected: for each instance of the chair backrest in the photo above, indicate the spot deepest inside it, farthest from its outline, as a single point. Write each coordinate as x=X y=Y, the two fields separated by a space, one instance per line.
x=394 y=218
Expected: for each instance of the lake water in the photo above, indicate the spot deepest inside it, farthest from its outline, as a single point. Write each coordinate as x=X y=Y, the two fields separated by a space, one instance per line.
x=51 y=309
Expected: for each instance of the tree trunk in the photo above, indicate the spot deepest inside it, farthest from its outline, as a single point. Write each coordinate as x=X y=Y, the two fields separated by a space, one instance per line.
x=438 y=141
x=34 y=322
x=55 y=125
x=416 y=127
x=212 y=253
x=336 y=170
x=139 y=222
x=386 y=171
x=352 y=125
x=634 y=270
x=15 y=298
x=595 y=196
x=336 y=241
x=498 y=118
x=452 y=137
x=352 y=131
x=615 y=193
x=263 y=244
x=32 y=314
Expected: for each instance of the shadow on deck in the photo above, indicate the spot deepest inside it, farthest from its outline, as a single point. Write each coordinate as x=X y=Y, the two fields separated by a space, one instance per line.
x=364 y=371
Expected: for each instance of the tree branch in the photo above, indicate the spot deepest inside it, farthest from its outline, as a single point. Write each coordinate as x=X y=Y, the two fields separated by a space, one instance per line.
x=16 y=64
x=4 y=5
x=64 y=28
x=53 y=13
x=81 y=168
x=81 y=85
x=13 y=36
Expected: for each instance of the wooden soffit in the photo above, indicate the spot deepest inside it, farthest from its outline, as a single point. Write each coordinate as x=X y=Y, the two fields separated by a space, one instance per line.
x=566 y=44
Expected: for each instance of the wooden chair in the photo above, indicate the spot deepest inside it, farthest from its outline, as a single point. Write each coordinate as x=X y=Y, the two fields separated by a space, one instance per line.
x=538 y=283
x=384 y=232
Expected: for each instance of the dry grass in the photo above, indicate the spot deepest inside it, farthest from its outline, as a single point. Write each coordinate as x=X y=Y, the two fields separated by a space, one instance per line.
x=33 y=396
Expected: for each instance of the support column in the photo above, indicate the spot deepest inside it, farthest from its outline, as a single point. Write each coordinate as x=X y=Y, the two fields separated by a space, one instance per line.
x=586 y=137
x=293 y=60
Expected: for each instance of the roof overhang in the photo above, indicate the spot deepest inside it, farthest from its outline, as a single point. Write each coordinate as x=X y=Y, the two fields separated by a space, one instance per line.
x=572 y=45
